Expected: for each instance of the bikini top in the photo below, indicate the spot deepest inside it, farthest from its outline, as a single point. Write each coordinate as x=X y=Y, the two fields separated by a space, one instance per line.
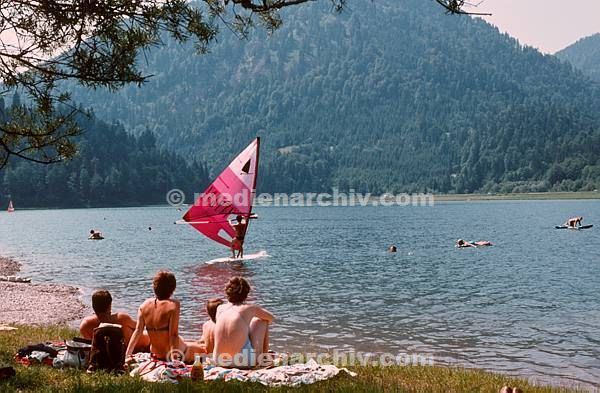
x=161 y=329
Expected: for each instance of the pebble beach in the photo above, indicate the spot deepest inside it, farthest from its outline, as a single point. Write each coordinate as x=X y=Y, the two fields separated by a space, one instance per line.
x=36 y=303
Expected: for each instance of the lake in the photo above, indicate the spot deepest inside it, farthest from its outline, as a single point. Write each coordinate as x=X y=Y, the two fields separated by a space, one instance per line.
x=528 y=306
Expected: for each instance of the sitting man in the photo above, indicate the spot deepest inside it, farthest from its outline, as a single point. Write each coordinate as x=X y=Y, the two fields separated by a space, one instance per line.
x=208 y=328
x=102 y=306
x=241 y=330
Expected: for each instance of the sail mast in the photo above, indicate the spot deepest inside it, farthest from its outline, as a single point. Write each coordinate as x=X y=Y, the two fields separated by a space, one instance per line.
x=253 y=195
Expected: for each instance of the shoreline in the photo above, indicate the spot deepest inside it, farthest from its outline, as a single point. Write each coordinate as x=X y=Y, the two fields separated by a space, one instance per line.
x=36 y=303
x=475 y=197
x=530 y=196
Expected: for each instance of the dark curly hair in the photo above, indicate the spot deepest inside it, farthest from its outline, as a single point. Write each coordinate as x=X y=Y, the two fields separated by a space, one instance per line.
x=164 y=284
x=237 y=290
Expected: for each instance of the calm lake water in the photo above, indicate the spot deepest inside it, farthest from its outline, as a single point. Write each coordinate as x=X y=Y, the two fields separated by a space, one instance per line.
x=528 y=306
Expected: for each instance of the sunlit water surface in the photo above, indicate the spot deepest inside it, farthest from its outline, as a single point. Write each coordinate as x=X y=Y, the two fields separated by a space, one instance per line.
x=528 y=306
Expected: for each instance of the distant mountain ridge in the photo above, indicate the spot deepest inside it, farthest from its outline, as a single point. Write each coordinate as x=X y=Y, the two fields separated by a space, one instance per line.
x=389 y=96
x=584 y=55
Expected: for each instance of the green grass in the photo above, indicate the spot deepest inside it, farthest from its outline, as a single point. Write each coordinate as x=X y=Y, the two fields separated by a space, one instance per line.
x=369 y=379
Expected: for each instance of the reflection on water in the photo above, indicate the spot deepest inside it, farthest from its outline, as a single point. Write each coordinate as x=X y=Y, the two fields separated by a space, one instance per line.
x=528 y=306
x=208 y=281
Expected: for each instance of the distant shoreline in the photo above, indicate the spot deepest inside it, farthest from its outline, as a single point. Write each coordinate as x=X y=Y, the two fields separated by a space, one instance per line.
x=531 y=196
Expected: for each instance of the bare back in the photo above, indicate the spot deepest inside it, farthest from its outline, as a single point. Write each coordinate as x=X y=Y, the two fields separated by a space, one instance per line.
x=232 y=329
x=161 y=319
x=93 y=321
x=240 y=230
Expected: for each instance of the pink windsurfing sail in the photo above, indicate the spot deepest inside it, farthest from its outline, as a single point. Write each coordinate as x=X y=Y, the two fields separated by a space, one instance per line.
x=10 y=207
x=231 y=194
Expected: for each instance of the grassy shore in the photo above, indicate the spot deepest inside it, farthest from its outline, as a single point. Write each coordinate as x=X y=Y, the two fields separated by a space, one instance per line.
x=369 y=379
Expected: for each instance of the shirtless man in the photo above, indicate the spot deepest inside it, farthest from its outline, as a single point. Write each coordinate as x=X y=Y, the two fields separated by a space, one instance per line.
x=102 y=306
x=208 y=328
x=237 y=243
x=574 y=222
x=242 y=330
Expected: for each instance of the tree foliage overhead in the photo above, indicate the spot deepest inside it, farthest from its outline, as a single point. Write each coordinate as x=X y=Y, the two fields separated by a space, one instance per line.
x=98 y=43
x=388 y=96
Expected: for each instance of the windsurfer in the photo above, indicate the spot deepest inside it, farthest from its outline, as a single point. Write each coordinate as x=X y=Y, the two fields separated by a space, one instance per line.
x=237 y=243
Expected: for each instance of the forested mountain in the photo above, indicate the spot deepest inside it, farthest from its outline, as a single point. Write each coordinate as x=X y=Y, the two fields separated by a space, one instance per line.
x=389 y=96
x=113 y=168
x=584 y=55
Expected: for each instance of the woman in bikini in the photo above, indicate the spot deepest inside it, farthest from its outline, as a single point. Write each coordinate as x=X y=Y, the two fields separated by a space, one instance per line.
x=160 y=317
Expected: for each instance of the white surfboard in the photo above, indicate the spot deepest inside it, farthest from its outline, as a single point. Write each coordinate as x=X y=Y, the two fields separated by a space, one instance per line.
x=247 y=257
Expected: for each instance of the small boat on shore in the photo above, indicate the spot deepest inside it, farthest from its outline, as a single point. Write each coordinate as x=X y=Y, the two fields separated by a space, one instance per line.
x=10 y=207
x=15 y=279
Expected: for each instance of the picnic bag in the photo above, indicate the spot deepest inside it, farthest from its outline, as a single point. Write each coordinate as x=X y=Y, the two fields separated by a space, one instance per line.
x=108 y=348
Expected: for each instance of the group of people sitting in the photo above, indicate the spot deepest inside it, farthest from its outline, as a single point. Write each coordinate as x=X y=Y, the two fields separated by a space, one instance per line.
x=236 y=334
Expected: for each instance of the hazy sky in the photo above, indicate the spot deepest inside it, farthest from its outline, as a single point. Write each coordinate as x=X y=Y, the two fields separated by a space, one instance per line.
x=549 y=25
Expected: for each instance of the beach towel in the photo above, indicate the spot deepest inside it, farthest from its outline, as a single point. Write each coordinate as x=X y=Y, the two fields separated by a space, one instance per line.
x=293 y=375
x=153 y=370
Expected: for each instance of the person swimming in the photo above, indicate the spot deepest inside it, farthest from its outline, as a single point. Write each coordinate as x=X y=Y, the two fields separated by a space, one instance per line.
x=95 y=235
x=392 y=248
x=460 y=243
